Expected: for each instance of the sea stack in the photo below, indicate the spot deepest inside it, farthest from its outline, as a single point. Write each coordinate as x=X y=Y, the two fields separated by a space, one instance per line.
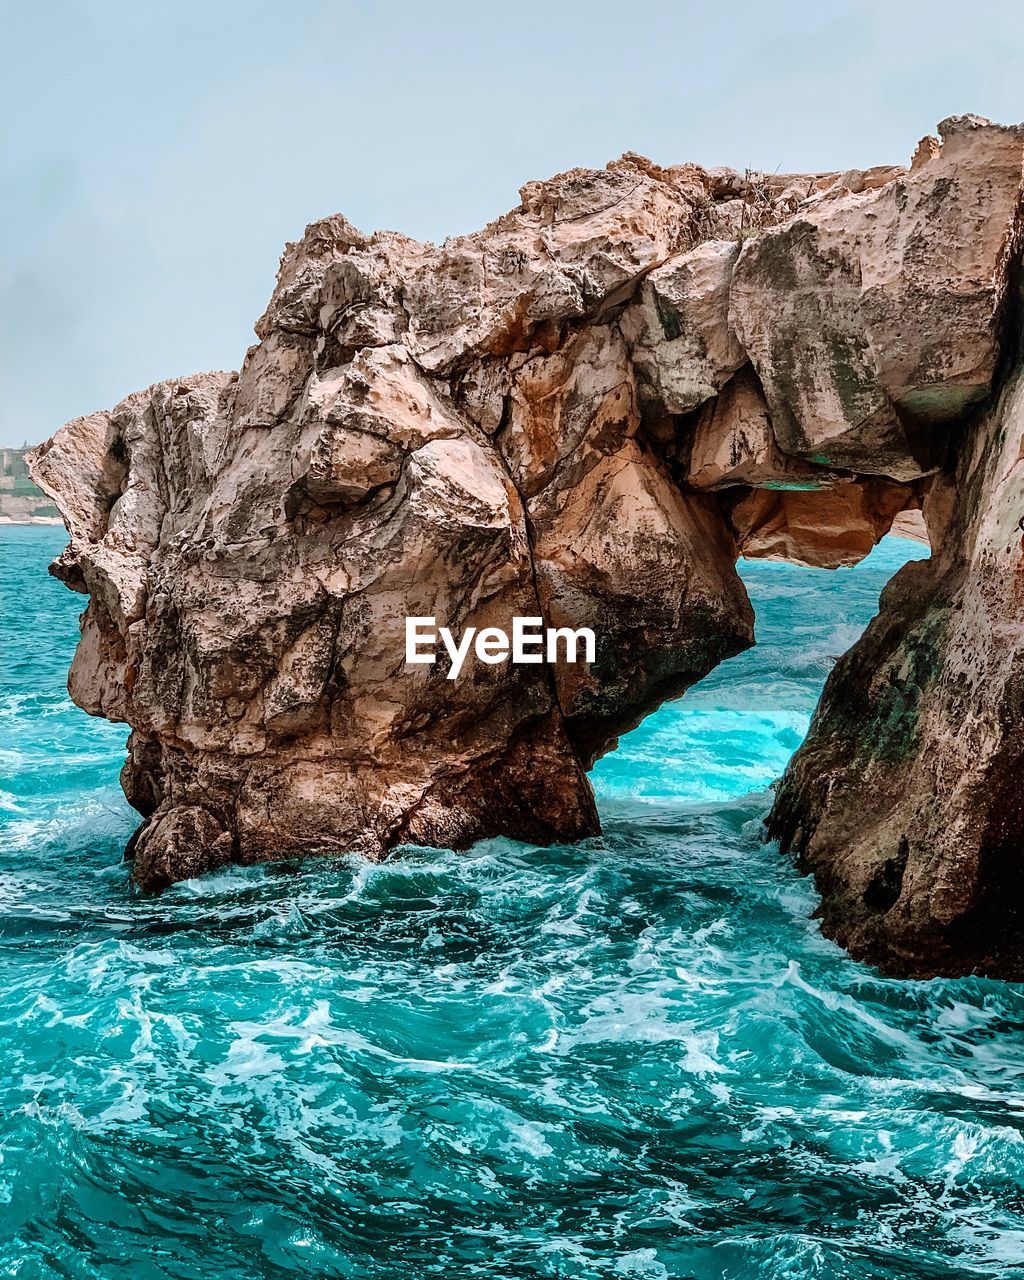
x=584 y=413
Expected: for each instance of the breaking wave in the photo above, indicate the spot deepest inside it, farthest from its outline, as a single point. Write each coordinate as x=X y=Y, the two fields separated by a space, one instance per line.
x=633 y=1057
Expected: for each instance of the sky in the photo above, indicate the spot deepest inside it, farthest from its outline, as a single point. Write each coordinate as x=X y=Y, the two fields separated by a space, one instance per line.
x=154 y=159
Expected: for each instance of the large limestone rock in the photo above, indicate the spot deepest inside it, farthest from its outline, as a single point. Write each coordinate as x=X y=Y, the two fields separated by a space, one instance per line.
x=907 y=800
x=582 y=413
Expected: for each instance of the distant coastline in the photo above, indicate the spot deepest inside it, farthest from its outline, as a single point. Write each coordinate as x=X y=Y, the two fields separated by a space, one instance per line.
x=21 y=499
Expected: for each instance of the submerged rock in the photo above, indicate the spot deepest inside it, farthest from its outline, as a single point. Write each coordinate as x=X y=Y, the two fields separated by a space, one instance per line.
x=583 y=414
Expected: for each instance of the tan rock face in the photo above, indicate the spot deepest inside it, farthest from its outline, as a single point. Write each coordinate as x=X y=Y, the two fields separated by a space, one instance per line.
x=906 y=800
x=678 y=328
x=824 y=527
x=869 y=331
x=734 y=444
x=583 y=414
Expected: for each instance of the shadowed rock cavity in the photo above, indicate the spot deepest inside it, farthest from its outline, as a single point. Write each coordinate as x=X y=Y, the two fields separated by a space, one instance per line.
x=584 y=413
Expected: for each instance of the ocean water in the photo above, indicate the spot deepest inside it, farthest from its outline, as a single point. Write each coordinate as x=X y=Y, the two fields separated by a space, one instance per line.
x=636 y=1057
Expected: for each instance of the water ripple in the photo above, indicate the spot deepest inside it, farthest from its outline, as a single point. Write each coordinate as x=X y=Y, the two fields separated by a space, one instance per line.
x=634 y=1057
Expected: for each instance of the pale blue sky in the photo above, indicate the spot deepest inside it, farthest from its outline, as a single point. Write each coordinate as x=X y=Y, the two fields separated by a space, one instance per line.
x=155 y=158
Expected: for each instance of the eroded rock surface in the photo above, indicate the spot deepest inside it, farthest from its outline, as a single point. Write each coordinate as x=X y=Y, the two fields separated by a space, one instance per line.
x=907 y=799
x=582 y=413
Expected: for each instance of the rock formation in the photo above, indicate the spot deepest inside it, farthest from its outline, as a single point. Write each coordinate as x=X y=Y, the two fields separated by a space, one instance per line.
x=584 y=413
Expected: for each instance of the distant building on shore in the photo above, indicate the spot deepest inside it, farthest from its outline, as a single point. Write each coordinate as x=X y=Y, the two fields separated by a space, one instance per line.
x=21 y=499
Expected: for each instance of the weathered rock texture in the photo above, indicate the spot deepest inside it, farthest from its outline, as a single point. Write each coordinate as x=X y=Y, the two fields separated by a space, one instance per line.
x=584 y=413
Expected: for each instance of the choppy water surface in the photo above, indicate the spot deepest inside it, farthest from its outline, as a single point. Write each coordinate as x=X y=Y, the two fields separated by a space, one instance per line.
x=635 y=1057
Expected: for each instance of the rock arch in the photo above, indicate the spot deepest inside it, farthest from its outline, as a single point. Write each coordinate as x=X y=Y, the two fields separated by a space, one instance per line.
x=584 y=412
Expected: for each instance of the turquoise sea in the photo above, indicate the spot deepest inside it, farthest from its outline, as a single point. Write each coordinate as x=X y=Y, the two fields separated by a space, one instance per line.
x=635 y=1057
